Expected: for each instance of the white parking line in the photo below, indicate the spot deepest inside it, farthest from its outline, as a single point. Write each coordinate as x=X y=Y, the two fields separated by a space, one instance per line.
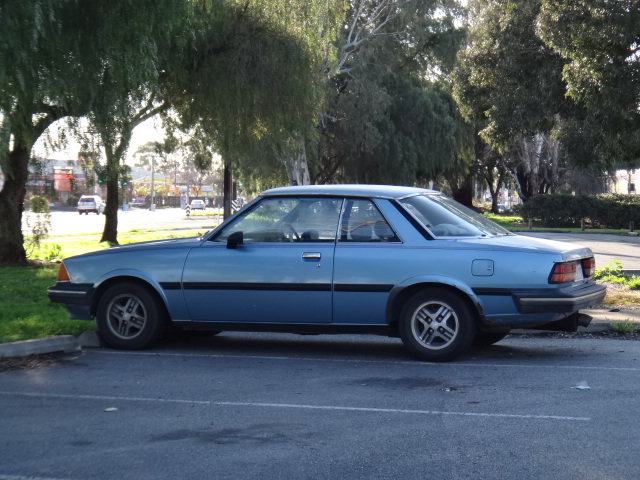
x=20 y=477
x=299 y=406
x=358 y=360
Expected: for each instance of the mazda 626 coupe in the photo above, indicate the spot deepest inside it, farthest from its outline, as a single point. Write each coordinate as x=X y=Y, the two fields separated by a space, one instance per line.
x=398 y=261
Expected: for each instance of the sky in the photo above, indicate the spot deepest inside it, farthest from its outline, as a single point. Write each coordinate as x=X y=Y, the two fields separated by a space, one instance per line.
x=143 y=133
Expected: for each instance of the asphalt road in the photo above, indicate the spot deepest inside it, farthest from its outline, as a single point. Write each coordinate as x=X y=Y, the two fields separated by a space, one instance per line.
x=249 y=406
x=68 y=222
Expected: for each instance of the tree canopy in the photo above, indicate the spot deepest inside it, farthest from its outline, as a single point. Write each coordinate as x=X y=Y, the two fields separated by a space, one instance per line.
x=390 y=117
x=564 y=69
x=225 y=65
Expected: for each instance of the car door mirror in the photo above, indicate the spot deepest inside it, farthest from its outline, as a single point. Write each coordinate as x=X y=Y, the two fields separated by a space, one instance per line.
x=235 y=239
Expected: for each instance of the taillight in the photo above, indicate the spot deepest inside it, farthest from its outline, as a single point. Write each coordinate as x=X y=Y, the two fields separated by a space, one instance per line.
x=563 y=272
x=588 y=266
x=63 y=275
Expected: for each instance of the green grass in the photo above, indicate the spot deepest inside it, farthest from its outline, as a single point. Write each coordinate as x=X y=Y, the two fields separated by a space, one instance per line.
x=25 y=309
x=68 y=246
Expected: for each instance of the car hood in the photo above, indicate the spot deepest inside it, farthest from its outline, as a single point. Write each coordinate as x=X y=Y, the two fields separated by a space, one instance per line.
x=568 y=251
x=188 y=242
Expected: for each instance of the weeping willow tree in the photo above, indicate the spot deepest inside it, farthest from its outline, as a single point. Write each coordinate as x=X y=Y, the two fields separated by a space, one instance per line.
x=62 y=58
x=42 y=79
x=256 y=73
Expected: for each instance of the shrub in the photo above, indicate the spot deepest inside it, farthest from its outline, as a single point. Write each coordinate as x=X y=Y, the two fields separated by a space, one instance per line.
x=626 y=326
x=603 y=211
x=39 y=204
x=38 y=221
x=611 y=270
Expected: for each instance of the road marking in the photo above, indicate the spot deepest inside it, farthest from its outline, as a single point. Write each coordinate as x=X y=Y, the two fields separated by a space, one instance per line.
x=346 y=360
x=21 y=477
x=299 y=406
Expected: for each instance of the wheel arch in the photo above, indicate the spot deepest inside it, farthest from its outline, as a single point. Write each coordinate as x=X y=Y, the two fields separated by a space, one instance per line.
x=104 y=285
x=400 y=294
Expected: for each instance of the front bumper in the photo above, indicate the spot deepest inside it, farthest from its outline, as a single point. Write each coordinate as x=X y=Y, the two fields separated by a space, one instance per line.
x=75 y=296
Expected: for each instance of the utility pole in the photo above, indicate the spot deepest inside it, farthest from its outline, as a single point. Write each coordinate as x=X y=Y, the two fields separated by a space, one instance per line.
x=153 y=164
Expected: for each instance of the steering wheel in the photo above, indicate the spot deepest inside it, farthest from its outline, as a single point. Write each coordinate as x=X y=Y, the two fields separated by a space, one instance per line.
x=448 y=230
x=288 y=226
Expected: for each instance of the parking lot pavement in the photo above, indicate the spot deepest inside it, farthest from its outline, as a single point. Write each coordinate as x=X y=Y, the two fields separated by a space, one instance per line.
x=283 y=406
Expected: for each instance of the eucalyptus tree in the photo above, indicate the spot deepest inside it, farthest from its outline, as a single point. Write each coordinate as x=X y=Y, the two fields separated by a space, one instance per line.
x=390 y=117
x=553 y=85
x=600 y=41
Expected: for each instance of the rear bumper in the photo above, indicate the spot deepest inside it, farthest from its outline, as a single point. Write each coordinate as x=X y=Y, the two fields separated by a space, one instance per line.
x=565 y=300
x=75 y=296
x=568 y=301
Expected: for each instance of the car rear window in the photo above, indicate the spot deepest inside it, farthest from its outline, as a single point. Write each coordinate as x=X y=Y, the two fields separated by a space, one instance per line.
x=445 y=217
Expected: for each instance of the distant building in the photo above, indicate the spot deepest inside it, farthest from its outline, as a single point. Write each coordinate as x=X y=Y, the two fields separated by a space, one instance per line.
x=58 y=180
x=626 y=181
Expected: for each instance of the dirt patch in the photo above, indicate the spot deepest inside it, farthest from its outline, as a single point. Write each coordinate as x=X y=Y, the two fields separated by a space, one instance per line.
x=30 y=361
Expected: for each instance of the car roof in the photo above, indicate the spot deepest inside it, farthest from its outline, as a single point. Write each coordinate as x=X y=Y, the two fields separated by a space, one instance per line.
x=359 y=190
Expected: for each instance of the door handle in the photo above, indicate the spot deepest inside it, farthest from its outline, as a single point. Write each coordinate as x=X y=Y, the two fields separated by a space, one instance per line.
x=311 y=256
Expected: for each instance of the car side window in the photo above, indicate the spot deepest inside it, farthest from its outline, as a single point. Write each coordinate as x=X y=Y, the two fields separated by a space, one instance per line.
x=363 y=222
x=288 y=219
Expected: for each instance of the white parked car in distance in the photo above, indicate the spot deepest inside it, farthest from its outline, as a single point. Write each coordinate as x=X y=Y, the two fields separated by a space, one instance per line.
x=197 y=205
x=90 y=203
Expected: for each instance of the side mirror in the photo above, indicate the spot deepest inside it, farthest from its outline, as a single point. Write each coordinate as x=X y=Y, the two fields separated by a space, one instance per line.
x=235 y=239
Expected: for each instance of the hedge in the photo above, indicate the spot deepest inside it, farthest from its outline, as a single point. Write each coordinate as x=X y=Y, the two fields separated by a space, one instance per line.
x=611 y=210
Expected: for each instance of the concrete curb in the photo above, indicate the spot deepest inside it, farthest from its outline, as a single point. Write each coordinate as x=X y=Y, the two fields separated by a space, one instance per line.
x=62 y=343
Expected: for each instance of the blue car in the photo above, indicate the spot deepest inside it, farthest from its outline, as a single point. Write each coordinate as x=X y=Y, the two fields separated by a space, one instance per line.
x=399 y=261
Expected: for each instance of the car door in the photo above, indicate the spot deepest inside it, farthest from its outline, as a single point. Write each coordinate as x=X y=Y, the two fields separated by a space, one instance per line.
x=367 y=264
x=281 y=271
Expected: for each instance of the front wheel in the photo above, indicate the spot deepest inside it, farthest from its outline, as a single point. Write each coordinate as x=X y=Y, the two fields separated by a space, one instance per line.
x=130 y=316
x=437 y=325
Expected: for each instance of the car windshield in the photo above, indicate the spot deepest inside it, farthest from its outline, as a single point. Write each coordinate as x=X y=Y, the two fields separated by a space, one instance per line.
x=445 y=217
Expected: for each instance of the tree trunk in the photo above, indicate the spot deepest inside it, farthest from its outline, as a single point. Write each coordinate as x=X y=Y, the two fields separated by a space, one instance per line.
x=11 y=206
x=462 y=190
x=226 y=192
x=110 y=232
x=299 y=173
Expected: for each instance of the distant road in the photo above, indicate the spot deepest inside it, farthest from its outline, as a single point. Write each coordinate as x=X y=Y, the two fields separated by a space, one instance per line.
x=70 y=223
x=606 y=247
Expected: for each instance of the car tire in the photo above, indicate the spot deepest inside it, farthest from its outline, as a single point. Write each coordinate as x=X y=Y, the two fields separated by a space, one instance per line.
x=130 y=316
x=437 y=325
x=484 y=339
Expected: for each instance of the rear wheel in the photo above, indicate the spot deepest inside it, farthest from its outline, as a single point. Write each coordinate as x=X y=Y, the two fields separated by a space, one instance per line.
x=437 y=325
x=130 y=316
